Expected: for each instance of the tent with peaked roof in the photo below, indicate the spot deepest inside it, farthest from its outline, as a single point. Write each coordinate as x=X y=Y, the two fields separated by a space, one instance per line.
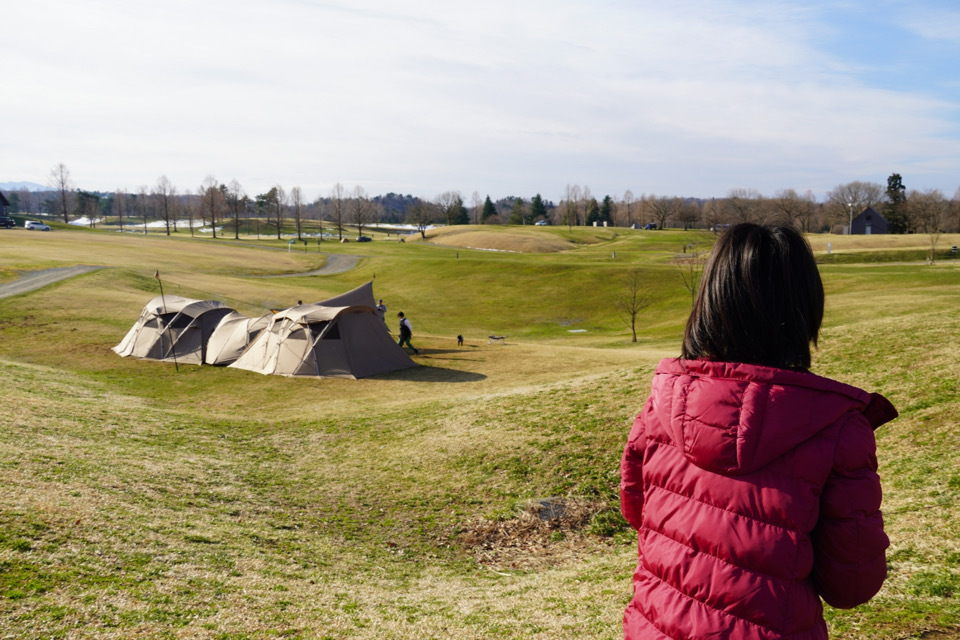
x=340 y=337
x=232 y=336
x=173 y=329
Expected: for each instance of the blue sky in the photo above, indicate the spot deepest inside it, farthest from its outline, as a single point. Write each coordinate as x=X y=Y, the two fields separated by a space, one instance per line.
x=691 y=97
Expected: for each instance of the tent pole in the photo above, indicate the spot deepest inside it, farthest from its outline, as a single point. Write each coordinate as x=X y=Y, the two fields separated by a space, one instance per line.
x=163 y=301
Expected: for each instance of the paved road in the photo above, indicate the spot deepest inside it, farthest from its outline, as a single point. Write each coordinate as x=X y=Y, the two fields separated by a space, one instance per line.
x=36 y=279
x=336 y=263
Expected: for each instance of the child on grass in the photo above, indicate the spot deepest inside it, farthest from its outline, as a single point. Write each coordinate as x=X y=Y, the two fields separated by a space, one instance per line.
x=752 y=483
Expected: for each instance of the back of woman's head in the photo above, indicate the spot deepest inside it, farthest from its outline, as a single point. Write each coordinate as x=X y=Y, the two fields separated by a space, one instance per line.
x=760 y=300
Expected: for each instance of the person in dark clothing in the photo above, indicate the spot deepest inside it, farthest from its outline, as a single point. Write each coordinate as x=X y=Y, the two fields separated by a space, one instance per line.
x=406 y=331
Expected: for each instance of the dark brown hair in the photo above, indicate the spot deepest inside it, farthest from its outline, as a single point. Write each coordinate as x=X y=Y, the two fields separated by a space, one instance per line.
x=760 y=300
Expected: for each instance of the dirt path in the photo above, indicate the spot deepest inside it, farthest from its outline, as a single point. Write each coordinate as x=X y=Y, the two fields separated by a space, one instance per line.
x=36 y=279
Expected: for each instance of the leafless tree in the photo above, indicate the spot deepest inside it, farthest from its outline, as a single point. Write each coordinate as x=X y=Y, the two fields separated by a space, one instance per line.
x=690 y=267
x=337 y=208
x=143 y=205
x=361 y=209
x=164 y=194
x=846 y=201
x=422 y=215
x=449 y=203
x=744 y=205
x=278 y=203
x=714 y=215
x=662 y=208
x=634 y=298
x=237 y=204
x=62 y=185
x=211 y=203
x=570 y=207
x=119 y=206
x=476 y=206
x=789 y=208
x=928 y=212
x=627 y=208
x=296 y=202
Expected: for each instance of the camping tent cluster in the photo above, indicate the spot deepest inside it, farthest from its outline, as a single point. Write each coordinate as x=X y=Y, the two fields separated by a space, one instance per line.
x=339 y=337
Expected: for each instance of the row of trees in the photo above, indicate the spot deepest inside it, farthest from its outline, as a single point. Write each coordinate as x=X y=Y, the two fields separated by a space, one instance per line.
x=226 y=206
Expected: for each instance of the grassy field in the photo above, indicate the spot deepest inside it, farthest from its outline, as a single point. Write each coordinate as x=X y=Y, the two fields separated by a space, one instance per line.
x=142 y=501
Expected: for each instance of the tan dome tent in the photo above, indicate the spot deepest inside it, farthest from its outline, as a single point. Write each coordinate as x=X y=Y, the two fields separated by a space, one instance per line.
x=173 y=329
x=232 y=336
x=342 y=337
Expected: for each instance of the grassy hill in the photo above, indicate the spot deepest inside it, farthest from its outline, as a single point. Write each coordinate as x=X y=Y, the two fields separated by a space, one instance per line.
x=142 y=501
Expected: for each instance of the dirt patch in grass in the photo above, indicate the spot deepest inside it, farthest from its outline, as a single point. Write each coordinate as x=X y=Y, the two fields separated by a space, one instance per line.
x=546 y=532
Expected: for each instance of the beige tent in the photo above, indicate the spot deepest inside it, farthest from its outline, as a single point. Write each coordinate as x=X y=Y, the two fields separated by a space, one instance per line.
x=232 y=336
x=172 y=328
x=341 y=337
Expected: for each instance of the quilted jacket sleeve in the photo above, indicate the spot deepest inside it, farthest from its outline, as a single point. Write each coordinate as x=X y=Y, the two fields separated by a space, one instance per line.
x=631 y=475
x=849 y=542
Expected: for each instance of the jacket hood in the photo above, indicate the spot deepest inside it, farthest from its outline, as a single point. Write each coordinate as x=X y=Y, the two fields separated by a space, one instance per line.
x=734 y=418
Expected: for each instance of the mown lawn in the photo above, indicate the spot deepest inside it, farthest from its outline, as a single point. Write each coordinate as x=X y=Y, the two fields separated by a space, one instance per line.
x=142 y=501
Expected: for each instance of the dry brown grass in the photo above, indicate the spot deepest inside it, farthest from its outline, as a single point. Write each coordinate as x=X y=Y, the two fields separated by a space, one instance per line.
x=518 y=240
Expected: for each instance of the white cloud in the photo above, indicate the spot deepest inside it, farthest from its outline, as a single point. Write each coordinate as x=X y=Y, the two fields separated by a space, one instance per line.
x=691 y=97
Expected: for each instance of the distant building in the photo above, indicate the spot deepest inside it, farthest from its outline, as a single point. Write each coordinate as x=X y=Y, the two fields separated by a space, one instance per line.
x=869 y=223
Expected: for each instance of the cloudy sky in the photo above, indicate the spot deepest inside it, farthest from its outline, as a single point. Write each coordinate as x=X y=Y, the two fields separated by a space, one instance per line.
x=501 y=97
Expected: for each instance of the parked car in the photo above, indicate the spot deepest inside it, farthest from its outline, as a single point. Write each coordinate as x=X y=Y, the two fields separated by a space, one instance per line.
x=33 y=225
x=364 y=239
x=651 y=225
x=540 y=223
x=6 y=222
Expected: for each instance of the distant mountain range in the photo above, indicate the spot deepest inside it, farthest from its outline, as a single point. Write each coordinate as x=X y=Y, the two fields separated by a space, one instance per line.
x=23 y=186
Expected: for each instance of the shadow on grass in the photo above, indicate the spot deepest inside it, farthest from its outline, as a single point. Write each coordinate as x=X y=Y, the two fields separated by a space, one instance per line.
x=426 y=373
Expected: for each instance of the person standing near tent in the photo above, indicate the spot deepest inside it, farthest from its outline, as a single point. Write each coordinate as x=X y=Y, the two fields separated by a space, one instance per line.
x=382 y=310
x=406 y=331
x=752 y=483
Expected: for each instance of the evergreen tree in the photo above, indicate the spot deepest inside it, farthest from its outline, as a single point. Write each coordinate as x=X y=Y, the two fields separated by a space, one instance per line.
x=488 y=210
x=517 y=212
x=593 y=211
x=538 y=210
x=896 y=208
x=459 y=213
x=606 y=210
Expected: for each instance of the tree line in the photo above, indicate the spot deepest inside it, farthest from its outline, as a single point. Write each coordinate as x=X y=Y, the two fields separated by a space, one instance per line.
x=223 y=208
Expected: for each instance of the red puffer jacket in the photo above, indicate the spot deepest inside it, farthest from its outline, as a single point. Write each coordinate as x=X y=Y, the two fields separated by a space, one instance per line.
x=754 y=490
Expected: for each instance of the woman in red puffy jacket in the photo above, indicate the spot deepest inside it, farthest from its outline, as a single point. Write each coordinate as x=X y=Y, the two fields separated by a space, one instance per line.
x=752 y=483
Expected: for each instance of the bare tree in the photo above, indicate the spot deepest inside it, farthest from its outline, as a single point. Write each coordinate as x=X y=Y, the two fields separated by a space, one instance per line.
x=690 y=267
x=662 y=208
x=450 y=204
x=570 y=206
x=119 y=205
x=165 y=195
x=361 y=209
x=211 y=203
x=337 y=208
x=277 y=205
x=635 y=297
x=928 y=211
x=714 y=214
x=296 y=202
x=744 y=205
x=628 y=208
x=143 y=205
x=237 y=204
x=62 y=185
x=789 y=208
x=476 y=206
x=846 y=201
x=422 y=215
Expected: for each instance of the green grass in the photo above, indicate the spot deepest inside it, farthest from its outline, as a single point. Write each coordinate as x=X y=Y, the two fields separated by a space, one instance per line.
x=142 y=501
